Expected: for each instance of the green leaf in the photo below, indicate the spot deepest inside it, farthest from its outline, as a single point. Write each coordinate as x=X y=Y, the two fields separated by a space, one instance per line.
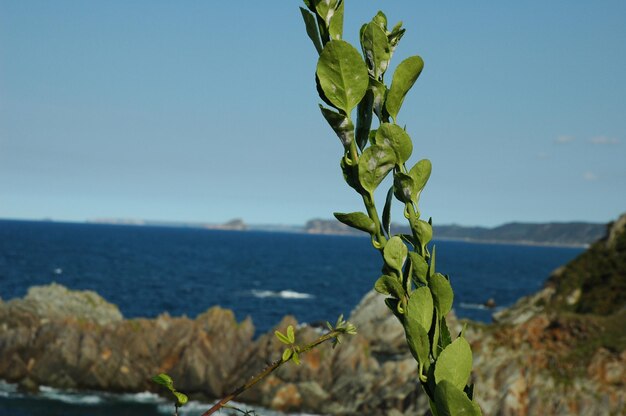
x=424 y=232
x=433 y=407
x=434 y=335
x=374 y=164
x=454 y=363
x=357 y=220
x=364 y=118
x=445 y=339
x=311 y=29
x=394 y=37
x=341 y=124
x=393 y=136
x=469 y=391
x=378 y=90
x=442 y=293
x=420 y=173
x=388 y=285
x=420 y=268
x=335 y=29
x=287 y=354
x=404 y=77
x=376 y=50
x=164 y=380
x=393 y=305
x=395 y=253
x=350 y=175
x=403 y=187
x=387 y=212
x=420 y=307
x=310 y=4
x=417 y=338
x=282 y=338
x=371 y=136
x=296 y=358
x=431 y=266
x=381 y=20
x=180 y=398
x=342 y=74
x=326 y=9
x=320 y=92
x=290 y=334
x=451 y=401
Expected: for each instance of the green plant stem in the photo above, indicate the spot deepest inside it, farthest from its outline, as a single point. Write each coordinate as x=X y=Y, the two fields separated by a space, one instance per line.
x=370 y=206
x=354 y=153
x=413 y=218
x=269 y=370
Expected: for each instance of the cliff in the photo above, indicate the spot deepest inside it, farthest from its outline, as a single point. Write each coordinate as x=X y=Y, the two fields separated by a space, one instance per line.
x=563 y=349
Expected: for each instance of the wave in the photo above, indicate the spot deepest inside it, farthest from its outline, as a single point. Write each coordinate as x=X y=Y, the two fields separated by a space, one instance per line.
x=143 y=397
x=102 y=400
x=479 y=306
x=79 y=398
x=283 y=294
x=70 y=396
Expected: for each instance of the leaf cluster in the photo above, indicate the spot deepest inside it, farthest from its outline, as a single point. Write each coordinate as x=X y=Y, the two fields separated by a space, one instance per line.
x=352 y=82
x=166 y=381
x=293 y=352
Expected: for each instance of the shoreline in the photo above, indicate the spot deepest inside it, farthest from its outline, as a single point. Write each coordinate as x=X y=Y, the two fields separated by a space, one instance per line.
x=290 y=229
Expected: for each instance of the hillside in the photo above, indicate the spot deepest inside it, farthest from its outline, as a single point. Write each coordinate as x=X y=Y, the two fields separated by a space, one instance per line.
x=554 y=233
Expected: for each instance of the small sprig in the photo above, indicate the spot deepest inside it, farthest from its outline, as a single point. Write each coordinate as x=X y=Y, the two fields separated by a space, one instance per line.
x=165 y=380
x=244 y=412
x=342 y=327
x=291 y=353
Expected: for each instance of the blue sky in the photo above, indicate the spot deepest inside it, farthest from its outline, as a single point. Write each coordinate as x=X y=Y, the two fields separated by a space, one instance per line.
x=207 y=111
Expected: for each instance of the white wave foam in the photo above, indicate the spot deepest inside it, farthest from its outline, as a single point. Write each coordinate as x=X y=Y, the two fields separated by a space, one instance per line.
x=474 y=306
x=7 y=387
x=283 y=294
x=164 y=406
x=143 y=397
x=69 y=396
x=80 y=398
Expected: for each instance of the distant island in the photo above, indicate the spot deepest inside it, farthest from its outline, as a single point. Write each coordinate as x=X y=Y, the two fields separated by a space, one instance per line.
x=553 y=233
x=236 y=224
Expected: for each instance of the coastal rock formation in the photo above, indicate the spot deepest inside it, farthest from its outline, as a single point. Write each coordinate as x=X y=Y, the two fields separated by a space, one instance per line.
x=560 y=351
x=563 y=349
x=567 y=233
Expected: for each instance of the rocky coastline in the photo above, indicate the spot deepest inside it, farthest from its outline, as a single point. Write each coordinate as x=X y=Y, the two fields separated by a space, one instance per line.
x=558 y=352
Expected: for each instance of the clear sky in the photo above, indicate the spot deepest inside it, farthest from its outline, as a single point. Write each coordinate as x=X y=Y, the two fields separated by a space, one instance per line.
x=207 y=110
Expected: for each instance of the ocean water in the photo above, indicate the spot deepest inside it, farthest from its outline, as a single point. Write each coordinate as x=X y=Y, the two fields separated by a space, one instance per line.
x=265 y=275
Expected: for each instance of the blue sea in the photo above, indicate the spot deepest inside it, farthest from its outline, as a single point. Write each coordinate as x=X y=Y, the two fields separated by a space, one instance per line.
x=265 y=275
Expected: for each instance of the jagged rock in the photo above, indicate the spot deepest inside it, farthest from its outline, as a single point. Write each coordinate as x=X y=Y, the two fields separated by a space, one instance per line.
x=55 y=302
x=381 y=328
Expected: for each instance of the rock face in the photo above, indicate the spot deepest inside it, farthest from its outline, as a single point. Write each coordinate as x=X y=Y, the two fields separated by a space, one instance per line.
x=563 y=349
x=558 y=352
x=77 y=340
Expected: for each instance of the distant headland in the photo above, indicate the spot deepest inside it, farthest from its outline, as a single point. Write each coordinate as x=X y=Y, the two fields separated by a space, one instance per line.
x=550 y=233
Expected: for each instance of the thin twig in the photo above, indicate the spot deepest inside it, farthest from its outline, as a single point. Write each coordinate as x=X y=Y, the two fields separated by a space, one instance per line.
x=268 y=370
